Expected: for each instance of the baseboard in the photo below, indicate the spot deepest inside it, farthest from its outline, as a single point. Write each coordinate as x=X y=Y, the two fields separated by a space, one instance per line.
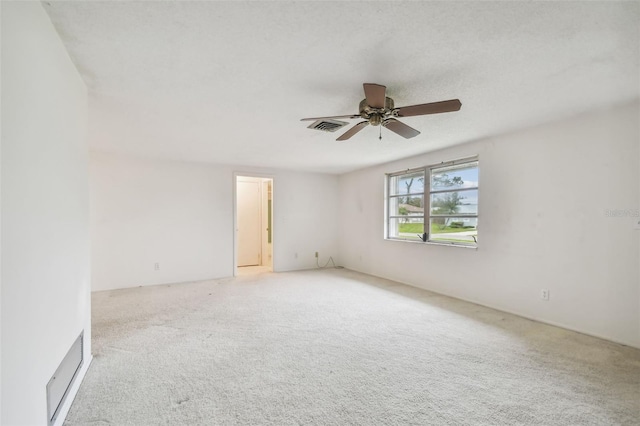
x=68 y=401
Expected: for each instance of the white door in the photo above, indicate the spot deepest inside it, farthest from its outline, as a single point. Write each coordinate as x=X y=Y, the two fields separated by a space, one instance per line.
x=249 y=223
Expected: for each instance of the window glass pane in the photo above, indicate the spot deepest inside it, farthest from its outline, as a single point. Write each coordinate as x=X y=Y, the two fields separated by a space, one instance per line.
x=410 y=183
x=452 y=203
x=410 y=228
x=410 y=205
x=454 y=229
x=460 y=176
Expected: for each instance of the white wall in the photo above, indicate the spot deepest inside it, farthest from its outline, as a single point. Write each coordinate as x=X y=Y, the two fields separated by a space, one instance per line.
x=148 y=211
x=544 y=193
x=45 y=210
x=180 y=215
x=305 y=212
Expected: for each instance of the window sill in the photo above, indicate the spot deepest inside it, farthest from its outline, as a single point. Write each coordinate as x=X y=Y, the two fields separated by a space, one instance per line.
x=432 y=243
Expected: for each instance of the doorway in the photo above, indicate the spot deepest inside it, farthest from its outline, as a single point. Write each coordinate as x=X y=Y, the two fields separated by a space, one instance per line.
x=254 y=225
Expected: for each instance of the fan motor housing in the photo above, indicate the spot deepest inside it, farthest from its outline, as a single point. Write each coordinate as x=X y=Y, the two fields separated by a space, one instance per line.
x=376 y=115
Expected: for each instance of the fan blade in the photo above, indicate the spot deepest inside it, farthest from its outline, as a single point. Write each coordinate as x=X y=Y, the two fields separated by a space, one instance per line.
x=352 y=131
x=432 y=108
x=352 y=116
x=375 y=94
x=400 y=128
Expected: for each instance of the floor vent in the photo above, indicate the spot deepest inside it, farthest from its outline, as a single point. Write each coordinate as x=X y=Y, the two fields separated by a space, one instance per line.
x=60 y=384
x=327 y=125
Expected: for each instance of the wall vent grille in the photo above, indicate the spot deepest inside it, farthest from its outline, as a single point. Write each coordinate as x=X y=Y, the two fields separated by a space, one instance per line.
x=327 y=125
x=60 y=384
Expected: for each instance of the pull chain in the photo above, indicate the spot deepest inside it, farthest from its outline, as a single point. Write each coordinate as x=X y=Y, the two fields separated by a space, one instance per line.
x=380 y=137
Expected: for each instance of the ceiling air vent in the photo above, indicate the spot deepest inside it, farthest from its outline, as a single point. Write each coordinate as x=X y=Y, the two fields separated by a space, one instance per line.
x=327 y=125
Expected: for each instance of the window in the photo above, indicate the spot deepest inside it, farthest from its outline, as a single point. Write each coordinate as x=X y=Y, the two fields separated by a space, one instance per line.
x=436 y=204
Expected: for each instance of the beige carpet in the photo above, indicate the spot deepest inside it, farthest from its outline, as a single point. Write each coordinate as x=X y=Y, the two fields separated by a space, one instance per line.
x=335 y=347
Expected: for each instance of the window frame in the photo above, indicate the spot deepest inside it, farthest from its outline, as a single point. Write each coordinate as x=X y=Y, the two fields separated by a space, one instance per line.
x=389 y=196
x=426 y=194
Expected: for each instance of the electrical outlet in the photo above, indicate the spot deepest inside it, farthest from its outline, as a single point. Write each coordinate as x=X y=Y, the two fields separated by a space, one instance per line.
x=156 y=266
x=544 y=294
x=316 y=254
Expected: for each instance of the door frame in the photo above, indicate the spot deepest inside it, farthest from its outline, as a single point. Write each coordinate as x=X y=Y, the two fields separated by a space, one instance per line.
x=261 y=175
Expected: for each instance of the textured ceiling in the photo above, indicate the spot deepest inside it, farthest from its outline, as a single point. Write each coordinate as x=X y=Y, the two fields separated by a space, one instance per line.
x=227 y=82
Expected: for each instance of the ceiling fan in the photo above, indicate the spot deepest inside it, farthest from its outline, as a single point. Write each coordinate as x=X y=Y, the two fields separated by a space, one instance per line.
x=378 y=109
